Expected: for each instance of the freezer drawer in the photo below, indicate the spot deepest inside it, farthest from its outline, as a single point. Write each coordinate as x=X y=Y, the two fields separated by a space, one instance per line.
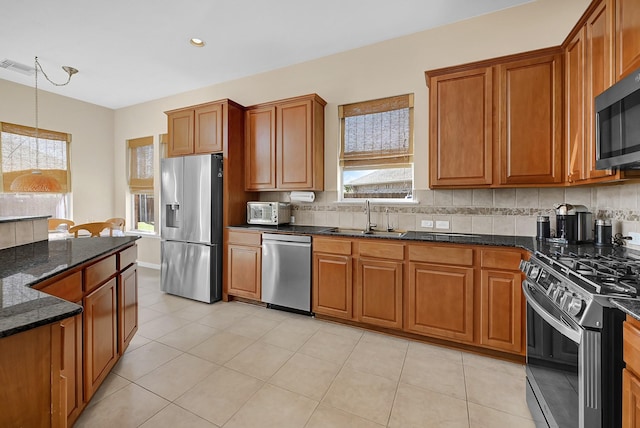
x=286 y=271
x=191 y=270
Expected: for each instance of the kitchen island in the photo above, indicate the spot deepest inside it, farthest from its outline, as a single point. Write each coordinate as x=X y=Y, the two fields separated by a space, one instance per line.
x=68 y=309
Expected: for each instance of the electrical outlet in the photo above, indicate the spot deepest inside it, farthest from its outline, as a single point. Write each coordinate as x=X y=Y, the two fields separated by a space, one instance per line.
x=442 y=224
x=427 y=224
x=292 y=220
x=635 y=238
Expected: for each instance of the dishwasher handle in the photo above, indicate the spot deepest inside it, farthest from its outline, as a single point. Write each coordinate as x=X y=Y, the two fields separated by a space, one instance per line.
x=267 y=244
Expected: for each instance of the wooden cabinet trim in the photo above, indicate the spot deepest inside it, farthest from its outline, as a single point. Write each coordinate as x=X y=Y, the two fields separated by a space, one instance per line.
x=68 y=288
x=332 y=246
x=441 y=254
x=244 y=237
x=99 y=272
x=500 y=259
x=381 y=250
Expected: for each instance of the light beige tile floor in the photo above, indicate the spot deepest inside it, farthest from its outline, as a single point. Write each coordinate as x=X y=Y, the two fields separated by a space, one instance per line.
x=239 y=365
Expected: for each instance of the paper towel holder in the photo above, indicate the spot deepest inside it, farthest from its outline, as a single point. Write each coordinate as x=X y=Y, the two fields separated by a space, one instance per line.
x=302 y=196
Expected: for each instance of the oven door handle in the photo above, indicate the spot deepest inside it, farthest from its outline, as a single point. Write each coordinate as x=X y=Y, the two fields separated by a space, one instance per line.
x=561 y=327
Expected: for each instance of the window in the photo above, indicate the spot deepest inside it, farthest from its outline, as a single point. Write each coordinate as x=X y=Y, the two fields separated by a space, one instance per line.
x=35 y=176
x=376 y=150
x=141 y=183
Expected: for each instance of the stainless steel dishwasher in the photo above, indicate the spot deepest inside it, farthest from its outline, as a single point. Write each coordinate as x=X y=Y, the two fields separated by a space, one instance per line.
x=286 y=271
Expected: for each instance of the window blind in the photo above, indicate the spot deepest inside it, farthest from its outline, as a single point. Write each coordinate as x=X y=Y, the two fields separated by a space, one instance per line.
x=141 y=165
x=22 y=153
x=377 y=133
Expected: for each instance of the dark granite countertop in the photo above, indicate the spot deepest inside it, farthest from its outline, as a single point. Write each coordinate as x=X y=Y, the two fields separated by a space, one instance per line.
x=12 y=219
x=23 y=308
x=628 y=306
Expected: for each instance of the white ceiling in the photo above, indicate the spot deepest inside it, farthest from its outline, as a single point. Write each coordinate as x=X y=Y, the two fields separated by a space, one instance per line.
x=132 y=51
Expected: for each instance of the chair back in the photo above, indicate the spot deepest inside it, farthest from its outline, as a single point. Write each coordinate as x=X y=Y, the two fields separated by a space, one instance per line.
x=118 y=222
x=93 y=228
x=55 y=222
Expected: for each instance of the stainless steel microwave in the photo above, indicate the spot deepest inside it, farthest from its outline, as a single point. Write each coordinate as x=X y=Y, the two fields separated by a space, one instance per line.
x=618 y=125
x=268 y=213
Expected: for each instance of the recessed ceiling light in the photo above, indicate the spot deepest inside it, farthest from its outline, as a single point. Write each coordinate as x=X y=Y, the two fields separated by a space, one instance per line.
x=197 y=42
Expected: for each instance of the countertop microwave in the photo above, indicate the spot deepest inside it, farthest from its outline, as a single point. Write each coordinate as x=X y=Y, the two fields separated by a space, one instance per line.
x=268 y=213
x=618 y=125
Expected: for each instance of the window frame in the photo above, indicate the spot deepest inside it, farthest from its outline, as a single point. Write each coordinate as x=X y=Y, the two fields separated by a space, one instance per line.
x=140 y=186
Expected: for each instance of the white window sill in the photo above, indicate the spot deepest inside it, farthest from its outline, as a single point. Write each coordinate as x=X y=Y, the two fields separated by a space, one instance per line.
x=143 y=233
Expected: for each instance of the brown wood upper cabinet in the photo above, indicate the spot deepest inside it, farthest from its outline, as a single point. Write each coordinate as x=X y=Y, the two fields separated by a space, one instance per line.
x=627 y=43
x=497 y=123
x=590 y=68
x=284 y=145
x=196 y=129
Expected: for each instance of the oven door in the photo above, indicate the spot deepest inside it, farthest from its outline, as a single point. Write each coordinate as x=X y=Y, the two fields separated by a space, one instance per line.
x=553 y=356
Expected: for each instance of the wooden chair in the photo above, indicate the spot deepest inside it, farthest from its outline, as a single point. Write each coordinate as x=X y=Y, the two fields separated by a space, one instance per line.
x=55 y=222
x=118 y=223
x=93 y=228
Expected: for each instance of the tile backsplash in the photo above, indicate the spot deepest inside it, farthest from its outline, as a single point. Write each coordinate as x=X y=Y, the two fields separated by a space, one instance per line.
x=487 y=211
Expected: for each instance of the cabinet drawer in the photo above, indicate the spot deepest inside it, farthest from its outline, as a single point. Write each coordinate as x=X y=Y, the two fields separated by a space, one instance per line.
x=332 y=246
x=384 y=251
x=244 y=238
x=99 y=272
x=509 y=260
x=631 y=346
x=68 y=288
x=441 y=254
x=127 y=257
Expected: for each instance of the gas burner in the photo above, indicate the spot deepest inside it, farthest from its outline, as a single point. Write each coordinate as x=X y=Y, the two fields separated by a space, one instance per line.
x=611 y=275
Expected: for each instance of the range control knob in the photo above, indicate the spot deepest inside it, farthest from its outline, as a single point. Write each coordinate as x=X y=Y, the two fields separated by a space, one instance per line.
x=558 y=293
x=551 y=290
x=576 y=306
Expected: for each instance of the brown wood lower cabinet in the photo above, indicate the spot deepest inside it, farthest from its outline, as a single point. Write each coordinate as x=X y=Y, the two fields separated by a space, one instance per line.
x=501 y=310
x=127 y=306
x=31 y=388
x=333 y=285
x=100 y=335
x=244 y=264
x=466 y=294
x=71 y=368
x=379 y=291
x=440 y=301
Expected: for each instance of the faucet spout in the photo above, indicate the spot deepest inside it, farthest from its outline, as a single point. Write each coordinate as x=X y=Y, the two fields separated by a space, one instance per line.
x=367 y=209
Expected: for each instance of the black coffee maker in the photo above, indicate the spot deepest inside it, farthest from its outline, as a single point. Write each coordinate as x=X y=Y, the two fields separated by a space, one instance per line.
x=574 y=223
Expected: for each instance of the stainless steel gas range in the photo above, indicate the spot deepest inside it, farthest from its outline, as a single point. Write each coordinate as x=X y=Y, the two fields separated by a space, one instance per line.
x=574 y=336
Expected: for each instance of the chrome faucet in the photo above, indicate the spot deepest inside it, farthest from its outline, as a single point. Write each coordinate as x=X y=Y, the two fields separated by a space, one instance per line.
x=367 y=209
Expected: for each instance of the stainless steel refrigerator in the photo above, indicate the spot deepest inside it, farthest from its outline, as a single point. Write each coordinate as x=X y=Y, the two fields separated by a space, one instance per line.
x=191 y=204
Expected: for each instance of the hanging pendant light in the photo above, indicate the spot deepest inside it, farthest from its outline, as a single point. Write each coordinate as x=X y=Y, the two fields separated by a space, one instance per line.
x=36 y=181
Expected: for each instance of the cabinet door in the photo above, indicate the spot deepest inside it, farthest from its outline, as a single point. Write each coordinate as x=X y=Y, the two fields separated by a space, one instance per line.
x=294 y=148
x=71 y=367
x=333 y=285
x=380 y=292
x=208 y=129
x=627 y=37
x=599 y=74
x=260 y=149
x=575 y=108
x=461 y=128
x=100 y=336
x=244 y=267
x=530 y=111
x=440 y=301
x=501 y=311
x=127 y=307
x=630 y=400
x=180 y=133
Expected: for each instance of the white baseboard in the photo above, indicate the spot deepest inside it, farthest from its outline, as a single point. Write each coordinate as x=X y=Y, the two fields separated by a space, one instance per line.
x=149 y=265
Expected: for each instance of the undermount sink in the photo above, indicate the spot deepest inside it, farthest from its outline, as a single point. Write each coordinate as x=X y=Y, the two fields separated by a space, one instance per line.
x=452 y=234
x=361 y=232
